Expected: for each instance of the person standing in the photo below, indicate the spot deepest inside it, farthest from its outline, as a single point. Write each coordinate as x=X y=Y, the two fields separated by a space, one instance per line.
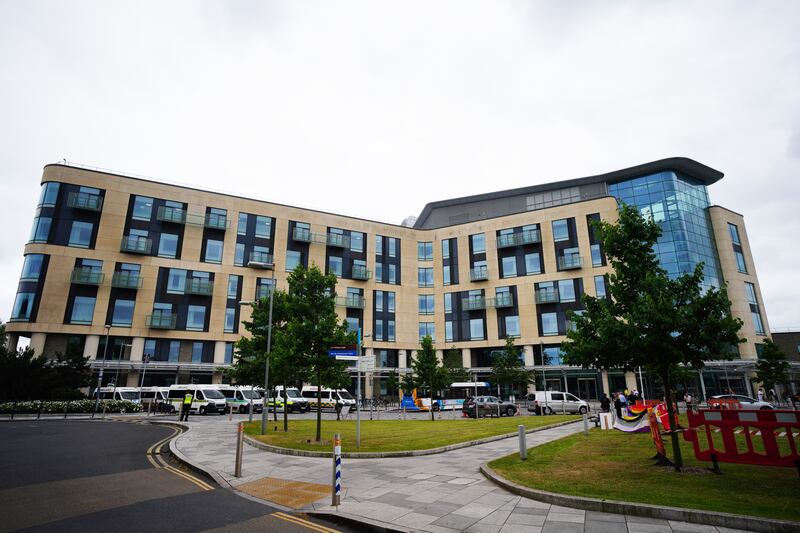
x=618 y=403
x=605 y=404
x=688 y=399
x=185 y=406
x=760 y=395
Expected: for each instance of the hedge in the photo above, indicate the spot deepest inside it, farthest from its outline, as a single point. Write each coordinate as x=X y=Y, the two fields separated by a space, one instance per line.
x=72 y=406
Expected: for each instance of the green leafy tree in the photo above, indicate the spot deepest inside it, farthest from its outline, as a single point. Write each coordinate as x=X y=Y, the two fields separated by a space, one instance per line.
x=428 y=374
x=649 y=319
x=393 y=382
x=508 y=368
x=313 y=328
x=454 y=364
x=65 y=374
x=772 y=367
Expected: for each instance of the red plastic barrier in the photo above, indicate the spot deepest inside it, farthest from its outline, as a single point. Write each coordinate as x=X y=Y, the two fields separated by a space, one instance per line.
x=767 y=425
x=647 y=403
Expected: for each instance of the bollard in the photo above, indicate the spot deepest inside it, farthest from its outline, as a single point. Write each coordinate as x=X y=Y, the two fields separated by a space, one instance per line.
x=239 y=443
x=66 y=408
x=336 y=484
x=523 y=445
x=230 y=414
x=39 y=414
x=585 y=424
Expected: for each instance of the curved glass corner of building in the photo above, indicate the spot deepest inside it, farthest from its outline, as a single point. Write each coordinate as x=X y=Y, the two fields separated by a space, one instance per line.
x=680 y=204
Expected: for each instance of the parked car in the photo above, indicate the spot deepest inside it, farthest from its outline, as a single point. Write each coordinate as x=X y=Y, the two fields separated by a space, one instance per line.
x=549 y=402
x=488 y=406
x=746 y=401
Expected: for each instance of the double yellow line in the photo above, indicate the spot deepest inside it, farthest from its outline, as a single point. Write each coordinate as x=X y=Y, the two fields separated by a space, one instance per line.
x=155 y=459
x=304 y=523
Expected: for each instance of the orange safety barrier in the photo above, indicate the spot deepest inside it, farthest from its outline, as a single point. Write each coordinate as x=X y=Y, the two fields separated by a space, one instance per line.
x=647 y=403
x=767 y=424
x=724 y=403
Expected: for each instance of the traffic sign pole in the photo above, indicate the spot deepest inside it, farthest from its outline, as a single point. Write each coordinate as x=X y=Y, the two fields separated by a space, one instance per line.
x=358 y=393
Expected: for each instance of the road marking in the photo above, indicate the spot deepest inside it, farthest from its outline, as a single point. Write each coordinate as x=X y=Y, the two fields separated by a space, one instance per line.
x=155 y=459
x=304 y=523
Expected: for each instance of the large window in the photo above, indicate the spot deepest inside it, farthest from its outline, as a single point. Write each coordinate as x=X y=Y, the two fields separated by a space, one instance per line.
x=142 y=208
x=448 y=331
x=566 y=290
x=238 y=255
x=241 y=227
x=196 y=318
x=390 y=330
x=755 y=312
x=425 y=251
x=82 y=310
x=600 y=286
x=263 y=227
x=392 y=246
x=123 y=313
x=49 y=194
x=176 y=281
x=174 y=351
x=23 y=305
x=478 y=243
x=446 y=249
x=510 y=267
x=426 y=304
x=446 y=280
x=197 y=352
x=392 y=274
x=379 y=330
x=512 y=326
x=427 y=328
x=549 y=324
x=40 y=231
x=32 y=268
x=168 y=245
x=378 y=245
x=597 y=257
x=476 y=329
x=390 y=302
x=228 y=353
x=335 y=266
x=230 y=320
x=356 y=241
x=425 y=276
x=560 y=230
x=292 y=260
x=448 y=302
x=233 y=287
x=740 y=264
x=213 y=251
x=734 y=231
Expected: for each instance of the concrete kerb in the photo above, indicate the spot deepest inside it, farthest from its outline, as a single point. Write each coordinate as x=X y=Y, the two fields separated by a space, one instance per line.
x=696 y=516
x=361 y=522
x=385 y=455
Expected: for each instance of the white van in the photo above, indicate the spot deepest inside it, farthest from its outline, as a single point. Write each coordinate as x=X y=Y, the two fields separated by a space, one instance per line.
x=155 y=399
x=291 y=398
x=238 y=398
x=551 y=402
x=130 y=394
x=205 y=398
x=330 y=398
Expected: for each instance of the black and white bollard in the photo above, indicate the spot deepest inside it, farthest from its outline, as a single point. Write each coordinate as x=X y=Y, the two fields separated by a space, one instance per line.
x=336 y=485
x=523 y=445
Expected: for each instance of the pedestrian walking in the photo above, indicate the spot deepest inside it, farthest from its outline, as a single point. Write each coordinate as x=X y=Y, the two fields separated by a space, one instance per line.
x=185 y=406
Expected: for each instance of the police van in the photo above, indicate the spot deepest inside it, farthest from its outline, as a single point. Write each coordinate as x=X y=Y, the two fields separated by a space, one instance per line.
x=156 y=399
x=205 y=398
x=238 y=398
x=291 y=398
x=330 y=398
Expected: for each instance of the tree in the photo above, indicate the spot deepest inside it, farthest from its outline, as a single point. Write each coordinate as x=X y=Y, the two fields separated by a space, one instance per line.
x=313 y=327
x=454 y=364
x=428 y=374
x=772 y=367
x=649 y=319
x=393 y=382
x=508 y=368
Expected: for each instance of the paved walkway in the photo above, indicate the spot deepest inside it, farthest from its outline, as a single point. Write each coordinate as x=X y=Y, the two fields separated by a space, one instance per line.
x=438 y=493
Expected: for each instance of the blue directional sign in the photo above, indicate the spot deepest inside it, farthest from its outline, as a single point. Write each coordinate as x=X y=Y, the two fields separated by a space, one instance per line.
x=344 y=353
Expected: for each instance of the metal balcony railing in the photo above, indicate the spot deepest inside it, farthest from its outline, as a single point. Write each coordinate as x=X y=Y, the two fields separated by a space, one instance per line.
x=547 y=296
x=135 y=244
x=503 y=300
x=161 y=320
x=518 y=239
x=570 y=262
x=201 y=286
x=301 y=234
x=125 y=279
x=85 y=200
x=216 y=221
x=340 y=241
x=479 y=274
x=175 y=215
x=361 y=272
x=87 y=276
x=260 y=260
x=473 y=303
x=353 y=302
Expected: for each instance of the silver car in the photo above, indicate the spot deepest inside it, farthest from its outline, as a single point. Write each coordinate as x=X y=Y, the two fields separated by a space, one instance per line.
x=746 y=401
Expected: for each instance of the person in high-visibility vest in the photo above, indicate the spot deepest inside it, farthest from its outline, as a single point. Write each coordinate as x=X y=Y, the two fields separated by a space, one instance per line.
x=187 y=404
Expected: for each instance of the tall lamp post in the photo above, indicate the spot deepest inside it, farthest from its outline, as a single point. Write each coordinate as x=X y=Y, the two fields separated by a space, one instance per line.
x=265 y=410
x=100 y=374
x=358 y=390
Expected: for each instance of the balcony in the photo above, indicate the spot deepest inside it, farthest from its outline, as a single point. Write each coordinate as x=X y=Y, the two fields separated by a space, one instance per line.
x=261 y=260
x=474 y=303
x=479 y=274
x=87 y=276
x=531 y=236
x=216 y=221
x=352 y=302
x=547 y=296
x=503 y=300
x=126 y=279
x=361 y=272
x=84 y=200
x=134 y=244
x=301 y=234
x=175 y=215
x=262 y=291
x=161 y=320
x=200 y=286
x=570 y=262
x=339 y=241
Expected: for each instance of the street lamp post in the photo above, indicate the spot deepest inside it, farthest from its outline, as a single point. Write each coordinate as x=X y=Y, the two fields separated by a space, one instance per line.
x=265 y=410
x=544 y=377
x=144 y=371
x=100 y=374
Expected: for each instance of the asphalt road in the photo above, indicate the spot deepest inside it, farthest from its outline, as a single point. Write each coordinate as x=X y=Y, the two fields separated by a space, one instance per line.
x=96 y=476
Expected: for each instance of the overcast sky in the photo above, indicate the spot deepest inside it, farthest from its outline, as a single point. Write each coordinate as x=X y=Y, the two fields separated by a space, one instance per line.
x=375 y=108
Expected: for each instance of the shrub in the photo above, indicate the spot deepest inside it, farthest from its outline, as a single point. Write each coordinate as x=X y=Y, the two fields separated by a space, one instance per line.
x=72 y=406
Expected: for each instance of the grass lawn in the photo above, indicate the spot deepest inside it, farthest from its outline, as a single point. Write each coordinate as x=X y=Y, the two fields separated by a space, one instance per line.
x=617 y=466
x=395 y=435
